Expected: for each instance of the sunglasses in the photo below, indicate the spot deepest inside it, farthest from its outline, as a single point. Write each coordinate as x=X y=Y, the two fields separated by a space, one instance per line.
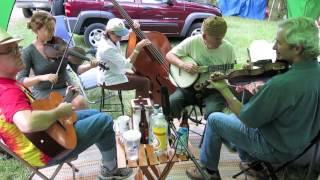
x=14 y=51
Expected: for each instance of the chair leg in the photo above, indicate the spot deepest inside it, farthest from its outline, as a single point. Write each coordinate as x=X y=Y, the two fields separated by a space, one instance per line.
x=37 y=172
x=121 y=101
x=202 y=137
x=72 y=166
x=102 y=99
x=74 y=170
x=56 y=171
x=31 y=176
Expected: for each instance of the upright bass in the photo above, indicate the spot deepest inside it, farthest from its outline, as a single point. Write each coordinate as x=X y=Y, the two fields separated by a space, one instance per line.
x=150 y=62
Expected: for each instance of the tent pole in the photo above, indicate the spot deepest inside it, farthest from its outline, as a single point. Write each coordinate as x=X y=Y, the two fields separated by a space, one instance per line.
x=271 y=10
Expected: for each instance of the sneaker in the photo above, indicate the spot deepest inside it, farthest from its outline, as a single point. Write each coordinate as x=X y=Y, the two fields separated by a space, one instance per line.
x=122 y=173
x=257 y=172
x=194 y=174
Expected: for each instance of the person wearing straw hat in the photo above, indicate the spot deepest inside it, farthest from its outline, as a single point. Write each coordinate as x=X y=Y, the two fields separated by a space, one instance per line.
x=18 y=117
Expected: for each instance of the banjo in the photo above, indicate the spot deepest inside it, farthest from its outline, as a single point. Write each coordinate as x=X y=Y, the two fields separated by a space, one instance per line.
x=183 y=79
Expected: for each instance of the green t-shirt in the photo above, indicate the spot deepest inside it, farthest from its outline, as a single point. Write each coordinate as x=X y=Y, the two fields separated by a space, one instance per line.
x=286 y=110
x=195 y=48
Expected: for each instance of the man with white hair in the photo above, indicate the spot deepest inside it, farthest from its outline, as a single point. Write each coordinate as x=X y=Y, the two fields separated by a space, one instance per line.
x=279 y=121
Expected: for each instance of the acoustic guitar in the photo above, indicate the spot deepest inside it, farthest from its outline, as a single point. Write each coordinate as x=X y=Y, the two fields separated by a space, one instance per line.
x=61 y=136
x=183 y=79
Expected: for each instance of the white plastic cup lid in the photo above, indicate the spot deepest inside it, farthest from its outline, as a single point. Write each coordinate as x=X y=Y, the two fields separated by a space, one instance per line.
x=131 y=135
x=123 y=117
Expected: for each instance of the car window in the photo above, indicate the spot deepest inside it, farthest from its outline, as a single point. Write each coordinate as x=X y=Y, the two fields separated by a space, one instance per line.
x=154 y=1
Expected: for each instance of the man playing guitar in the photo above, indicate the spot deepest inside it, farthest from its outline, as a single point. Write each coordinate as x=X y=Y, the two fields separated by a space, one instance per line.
x=17 y=117
x=206 y=49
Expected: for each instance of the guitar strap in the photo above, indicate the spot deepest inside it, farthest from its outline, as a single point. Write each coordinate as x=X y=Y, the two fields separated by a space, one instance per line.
x=27 y=92
x=41 y=139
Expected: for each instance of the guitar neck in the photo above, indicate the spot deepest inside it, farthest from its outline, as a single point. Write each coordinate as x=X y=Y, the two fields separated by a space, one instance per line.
x=222 y=67
x=69 y=96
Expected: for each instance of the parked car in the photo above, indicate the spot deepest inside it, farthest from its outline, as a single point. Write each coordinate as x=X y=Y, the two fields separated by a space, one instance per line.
x=28 y=6
x=174 y=18
x=57 y=7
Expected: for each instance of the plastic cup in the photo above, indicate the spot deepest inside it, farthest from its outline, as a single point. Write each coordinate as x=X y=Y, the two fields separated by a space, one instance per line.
x=131 y=140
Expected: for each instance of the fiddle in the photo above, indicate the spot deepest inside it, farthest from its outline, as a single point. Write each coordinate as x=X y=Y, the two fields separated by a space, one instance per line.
x=55 y=48
x=249 y=75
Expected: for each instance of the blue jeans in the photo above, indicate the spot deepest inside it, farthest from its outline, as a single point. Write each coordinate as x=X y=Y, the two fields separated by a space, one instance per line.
x=223 y=127
x=212 y=99
x=92 y=127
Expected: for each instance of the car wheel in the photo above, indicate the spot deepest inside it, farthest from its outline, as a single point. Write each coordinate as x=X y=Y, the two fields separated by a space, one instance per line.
x=27 y=12
x=194 y=29
x=57 y=7
x=93 y=34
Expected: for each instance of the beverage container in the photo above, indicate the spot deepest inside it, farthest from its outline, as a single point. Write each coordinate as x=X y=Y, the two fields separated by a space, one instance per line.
x=136 y=116
x=121 y=125
x=183 y=134
x=131 y=140
x=156 y=110
x=143 y=126
x=160 y=134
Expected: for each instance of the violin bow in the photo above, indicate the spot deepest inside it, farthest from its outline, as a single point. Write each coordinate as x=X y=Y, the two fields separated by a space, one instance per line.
x=65 y=50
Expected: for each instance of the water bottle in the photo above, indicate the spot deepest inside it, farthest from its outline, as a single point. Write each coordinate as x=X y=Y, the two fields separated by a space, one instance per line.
x=183 y=134
x=156 y=110
x=160 y=136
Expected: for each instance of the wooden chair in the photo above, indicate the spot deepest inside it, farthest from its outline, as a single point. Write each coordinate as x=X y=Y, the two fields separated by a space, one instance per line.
x=35 y=170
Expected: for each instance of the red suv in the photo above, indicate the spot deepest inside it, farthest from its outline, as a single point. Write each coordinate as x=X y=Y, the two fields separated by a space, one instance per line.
x=174 y=18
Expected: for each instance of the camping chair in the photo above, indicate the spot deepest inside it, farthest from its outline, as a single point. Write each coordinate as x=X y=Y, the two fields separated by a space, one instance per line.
x=62 y=29
x=88 y=81
x=35 y=170
x=309 y=156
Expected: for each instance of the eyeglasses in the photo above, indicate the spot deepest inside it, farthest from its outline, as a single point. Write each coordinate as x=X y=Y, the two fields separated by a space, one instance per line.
x=14 y=51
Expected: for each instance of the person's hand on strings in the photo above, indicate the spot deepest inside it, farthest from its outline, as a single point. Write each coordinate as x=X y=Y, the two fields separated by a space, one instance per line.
x=72 y=90
x=218 y=83
x=141 y=44
x=94 y=63
x=189 y=67
x=136 y=24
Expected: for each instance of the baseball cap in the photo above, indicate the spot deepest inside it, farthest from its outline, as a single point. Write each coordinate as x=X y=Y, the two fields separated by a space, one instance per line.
x=6 y=38
x=117 y=26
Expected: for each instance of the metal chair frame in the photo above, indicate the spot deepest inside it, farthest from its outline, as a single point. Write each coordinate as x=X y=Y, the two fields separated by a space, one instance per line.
x=35 y=170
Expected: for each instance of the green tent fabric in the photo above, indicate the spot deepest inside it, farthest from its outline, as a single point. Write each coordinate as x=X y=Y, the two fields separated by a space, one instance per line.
x=5 y=13
x=309 y=8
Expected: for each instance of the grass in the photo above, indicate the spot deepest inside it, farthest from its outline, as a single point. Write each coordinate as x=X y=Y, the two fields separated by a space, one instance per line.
x=241 y=32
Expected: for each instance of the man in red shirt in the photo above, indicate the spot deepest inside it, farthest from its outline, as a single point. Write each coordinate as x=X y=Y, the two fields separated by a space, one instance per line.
x=17 y=118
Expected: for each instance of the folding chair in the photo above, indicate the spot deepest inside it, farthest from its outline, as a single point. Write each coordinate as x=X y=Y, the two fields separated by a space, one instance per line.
x=35 y=170
x=62 y=29
x=310 y=156
x=88 y=81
